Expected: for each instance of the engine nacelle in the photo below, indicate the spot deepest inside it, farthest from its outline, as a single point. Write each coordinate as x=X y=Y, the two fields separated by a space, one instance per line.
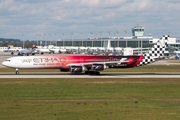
x=76 y=69
x=99 y=67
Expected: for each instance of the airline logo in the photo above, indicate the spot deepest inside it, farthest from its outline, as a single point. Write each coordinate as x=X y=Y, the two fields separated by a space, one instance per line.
x=33 y=46
x=44 y=60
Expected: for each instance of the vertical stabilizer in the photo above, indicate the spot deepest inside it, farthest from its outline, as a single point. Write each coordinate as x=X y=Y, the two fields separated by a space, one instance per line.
x=33 y=46
x=156 y=52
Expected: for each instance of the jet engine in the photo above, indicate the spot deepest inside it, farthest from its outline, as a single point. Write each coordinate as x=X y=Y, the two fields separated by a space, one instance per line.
x=99 y=67
x=77 y=69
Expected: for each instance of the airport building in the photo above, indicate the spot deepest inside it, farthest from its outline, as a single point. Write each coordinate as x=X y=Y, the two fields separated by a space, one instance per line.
x=133 y=42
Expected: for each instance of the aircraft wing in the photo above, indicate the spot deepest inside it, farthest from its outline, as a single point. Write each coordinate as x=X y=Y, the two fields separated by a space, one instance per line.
x=105 y=63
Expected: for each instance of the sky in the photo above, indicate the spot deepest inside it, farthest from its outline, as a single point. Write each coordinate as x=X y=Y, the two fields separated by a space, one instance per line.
x=31 y=17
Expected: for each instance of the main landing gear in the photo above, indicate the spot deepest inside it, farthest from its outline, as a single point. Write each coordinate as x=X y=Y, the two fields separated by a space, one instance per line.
x=17 y=71
x=92 y=72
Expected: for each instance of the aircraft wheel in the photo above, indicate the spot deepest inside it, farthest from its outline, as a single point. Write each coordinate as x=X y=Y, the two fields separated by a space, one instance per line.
x=42 y=53
x=17 y=71
x=91 y=72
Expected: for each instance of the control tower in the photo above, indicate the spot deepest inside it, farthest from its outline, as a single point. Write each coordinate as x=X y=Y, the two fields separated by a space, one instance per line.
x=138 y=31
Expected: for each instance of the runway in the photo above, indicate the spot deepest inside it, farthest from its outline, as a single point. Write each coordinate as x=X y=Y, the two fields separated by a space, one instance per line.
x=102 y=75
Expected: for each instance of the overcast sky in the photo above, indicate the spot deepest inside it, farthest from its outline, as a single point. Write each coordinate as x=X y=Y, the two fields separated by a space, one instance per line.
x=31 y=17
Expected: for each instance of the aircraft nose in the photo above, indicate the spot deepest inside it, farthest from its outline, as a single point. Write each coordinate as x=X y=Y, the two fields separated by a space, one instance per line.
x=3 y=63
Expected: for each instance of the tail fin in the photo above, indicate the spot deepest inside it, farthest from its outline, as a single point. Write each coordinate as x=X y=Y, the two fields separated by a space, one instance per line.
x=157 y=51
x=33 y=46
x=8 y=47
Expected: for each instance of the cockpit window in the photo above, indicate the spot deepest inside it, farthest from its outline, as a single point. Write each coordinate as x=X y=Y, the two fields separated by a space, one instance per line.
x=7 y=60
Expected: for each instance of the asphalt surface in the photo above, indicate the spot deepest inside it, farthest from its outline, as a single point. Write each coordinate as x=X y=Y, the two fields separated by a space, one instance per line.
x=102 y=75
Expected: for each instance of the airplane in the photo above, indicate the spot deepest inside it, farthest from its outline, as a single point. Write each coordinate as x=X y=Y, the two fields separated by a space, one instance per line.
x=62 y=50
x=89 y=64
x=26 y=52
x=12 y=50
x=55 y=50
x=40 y=50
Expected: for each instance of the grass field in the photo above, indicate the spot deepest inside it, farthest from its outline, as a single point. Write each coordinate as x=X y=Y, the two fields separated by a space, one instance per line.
x=91 y=99
x=142 y=69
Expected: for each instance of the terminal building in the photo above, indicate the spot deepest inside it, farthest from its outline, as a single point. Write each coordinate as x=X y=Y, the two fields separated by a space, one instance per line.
x=136 y=41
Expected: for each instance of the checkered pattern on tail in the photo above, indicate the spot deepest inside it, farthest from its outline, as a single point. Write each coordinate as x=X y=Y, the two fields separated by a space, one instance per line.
x=156 y=51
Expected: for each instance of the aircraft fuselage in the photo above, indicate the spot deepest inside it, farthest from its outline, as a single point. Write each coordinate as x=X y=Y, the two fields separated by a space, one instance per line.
x=60 y=62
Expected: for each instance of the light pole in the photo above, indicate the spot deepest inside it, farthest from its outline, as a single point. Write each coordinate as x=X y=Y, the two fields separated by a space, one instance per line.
x=23 y=41
x=56 y=38
x=141 y=44
x=45 y=40
x=126 y=37
x=40 y=40
x=92 y=38
x=169 y=33
x=63 y=39
x=82 y=38
x=37 y=39
x=101 y=37
x=118 y=37
x=72 y=38
x=138 y=41
x=50 y=39
x=109 y=34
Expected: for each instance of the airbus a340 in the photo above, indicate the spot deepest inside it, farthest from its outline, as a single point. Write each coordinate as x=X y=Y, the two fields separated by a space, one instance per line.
x=89 y=64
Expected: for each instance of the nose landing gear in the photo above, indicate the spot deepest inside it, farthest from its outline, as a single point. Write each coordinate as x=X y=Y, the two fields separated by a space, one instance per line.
x=17 y=71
